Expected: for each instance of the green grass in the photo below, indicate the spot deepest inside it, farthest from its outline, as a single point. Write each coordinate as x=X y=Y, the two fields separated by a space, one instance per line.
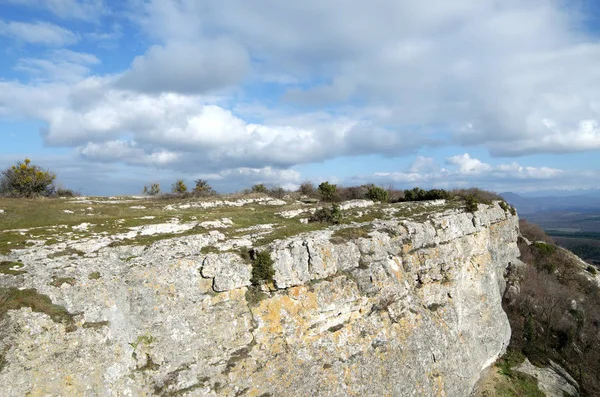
x=351 y=233
x=59 y=281
x=514 y=383
x=94 y=276
x=11 y=268
x=46 y=221
x=15 y=299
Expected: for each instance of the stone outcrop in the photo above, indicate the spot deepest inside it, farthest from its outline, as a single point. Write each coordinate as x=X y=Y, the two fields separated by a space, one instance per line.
x=396 y=307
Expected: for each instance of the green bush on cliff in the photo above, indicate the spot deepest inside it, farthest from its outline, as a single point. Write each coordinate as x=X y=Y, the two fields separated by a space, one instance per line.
x=418 y=194
x=262 y=267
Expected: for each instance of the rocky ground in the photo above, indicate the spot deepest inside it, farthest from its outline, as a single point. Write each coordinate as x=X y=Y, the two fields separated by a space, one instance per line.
x=138 y=296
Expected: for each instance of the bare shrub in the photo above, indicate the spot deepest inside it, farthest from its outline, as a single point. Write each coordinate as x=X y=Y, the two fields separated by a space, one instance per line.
x=482 y=196
x=533 y=232
x=308 y=189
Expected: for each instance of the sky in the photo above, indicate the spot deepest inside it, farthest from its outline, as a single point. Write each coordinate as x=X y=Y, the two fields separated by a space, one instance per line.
x=114 y=95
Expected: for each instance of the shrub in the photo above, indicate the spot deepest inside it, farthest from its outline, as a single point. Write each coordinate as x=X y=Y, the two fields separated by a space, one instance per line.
x=179 y=187
x=262 y=267
x=591 y=269
x=377 y=193
x=332 y=215
x=277 y=192
x=472 y=203
x=307 y=188
x=482 y=196
x=26 y=180
x=259 y=188
x=533 y=232
x=418 y=194
x=328 y=192
x=395 y=195
x=62 y=192
x=353 y=192
x=203 y=188
x=153 y=190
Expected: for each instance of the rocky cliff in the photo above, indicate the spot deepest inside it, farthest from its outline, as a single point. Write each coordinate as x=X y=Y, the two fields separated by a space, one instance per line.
x=400 y=306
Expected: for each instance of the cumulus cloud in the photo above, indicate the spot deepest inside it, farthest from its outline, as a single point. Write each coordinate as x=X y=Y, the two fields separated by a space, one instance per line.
x=38 y=33
x=514 y=77
x=297 y=83
x=187 y=67
x=468 y=165
x=203 y=133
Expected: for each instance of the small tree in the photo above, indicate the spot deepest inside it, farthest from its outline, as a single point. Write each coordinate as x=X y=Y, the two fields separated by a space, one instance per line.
x=259 y=188
x=179 y=187
x=153 y=190
x=377 y=193
x=203 y=188
x=328 y=192
x=26 y=180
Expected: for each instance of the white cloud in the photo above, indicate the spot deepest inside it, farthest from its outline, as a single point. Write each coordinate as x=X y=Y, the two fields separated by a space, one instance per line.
x=190 y=67
x=423 y=164
x=304 y=82
x=499 y=67
x=68 y=9
x=126 y=152
x=468 y=171
x=468 y=165
x=38 y=33
x=62 y=65
x=203 y=133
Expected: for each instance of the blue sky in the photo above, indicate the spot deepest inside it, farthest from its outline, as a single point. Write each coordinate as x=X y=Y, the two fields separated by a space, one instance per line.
x=112 y=95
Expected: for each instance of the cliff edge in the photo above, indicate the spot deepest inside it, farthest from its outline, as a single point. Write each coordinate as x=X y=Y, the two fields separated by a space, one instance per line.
x=399 y=305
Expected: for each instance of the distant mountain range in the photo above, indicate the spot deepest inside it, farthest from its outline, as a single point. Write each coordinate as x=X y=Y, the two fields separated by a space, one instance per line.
x=589 y=201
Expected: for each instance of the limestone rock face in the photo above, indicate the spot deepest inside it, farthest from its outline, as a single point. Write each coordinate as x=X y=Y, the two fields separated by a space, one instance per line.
x=409 y=307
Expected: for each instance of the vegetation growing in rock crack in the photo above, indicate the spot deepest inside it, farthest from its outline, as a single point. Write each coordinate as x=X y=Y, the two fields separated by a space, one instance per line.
x=262 y=267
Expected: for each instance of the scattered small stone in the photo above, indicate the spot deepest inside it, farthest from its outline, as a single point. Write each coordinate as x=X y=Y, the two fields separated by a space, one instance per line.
x=137 y=207
x=68 y=212
x=291 y=213
x=1 y=211
x=82 y=227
